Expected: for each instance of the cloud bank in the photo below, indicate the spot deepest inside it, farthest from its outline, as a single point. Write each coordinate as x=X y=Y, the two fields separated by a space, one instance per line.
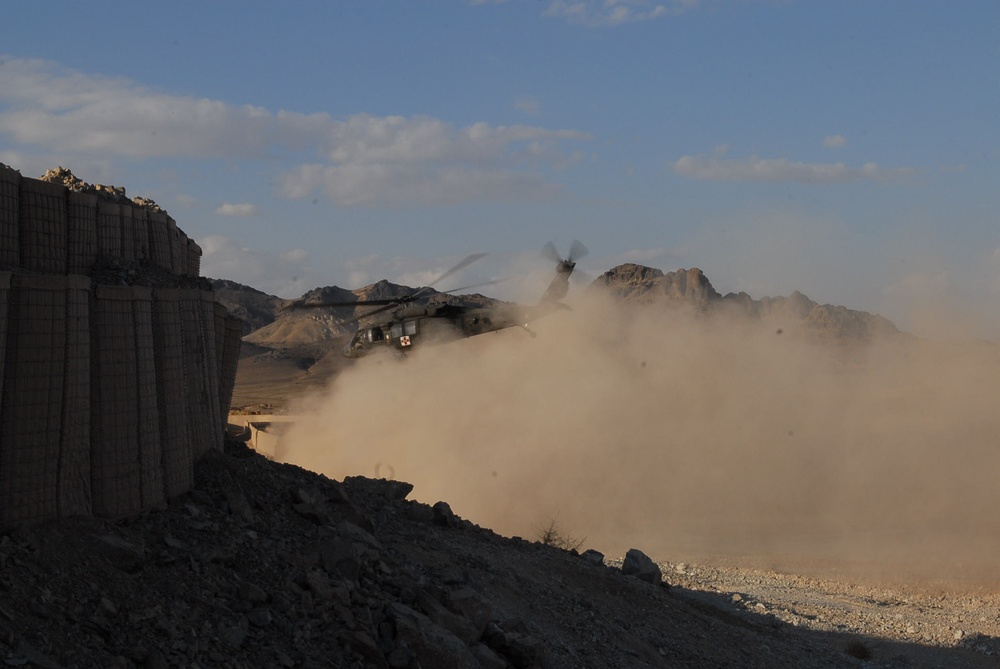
x=241 y=209
x=717 y=167
x=609 y=13
x=834 y=141
x=285 y=274
x=358 y=160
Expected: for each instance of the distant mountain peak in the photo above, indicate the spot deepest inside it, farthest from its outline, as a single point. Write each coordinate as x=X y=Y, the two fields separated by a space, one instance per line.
x=384 y=290
x=631 y=282
x=329 y=294
x=639 y=282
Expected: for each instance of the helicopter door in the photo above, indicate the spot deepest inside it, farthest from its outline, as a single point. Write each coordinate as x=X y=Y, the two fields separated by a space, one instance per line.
x=403 y=331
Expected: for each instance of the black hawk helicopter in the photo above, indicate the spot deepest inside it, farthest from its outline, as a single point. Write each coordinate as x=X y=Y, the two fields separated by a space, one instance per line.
x=410 y=318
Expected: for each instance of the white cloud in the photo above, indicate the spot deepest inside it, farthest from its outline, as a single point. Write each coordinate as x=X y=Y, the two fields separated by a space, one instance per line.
x=362 y=159
x=362 y=271
x=400 y=184
x=395 y=160
x=243 y=209
x=604 y=13
x=528 y=106
x=295 y=255
x=286 y=273
x=365 y=140
x=46 y=105
x=717 y=167
x=834 y=141
x=186 y=200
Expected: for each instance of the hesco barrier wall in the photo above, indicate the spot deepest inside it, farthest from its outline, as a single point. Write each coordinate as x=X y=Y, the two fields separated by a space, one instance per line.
x=81 y=232
x=171 y=393
x=108 y=393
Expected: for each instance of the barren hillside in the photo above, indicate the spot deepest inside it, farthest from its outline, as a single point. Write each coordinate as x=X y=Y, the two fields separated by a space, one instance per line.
x=264 y=564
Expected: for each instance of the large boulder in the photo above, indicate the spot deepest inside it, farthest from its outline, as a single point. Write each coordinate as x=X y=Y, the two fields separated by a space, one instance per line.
x=638 y=564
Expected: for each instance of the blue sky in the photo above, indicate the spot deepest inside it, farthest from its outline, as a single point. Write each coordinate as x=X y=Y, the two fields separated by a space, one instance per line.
x=846 y=149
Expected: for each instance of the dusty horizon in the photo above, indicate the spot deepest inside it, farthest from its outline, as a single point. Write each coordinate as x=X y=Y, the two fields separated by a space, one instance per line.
x=685 y=436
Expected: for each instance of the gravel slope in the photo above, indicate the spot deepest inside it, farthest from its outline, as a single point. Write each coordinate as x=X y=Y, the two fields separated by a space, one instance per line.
x=265 y=564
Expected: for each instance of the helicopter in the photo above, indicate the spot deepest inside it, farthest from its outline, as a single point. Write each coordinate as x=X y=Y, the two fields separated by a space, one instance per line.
x=411 y=318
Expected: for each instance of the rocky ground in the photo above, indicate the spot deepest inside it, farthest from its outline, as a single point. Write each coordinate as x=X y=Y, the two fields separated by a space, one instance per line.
x=265 y=564
x=916 y=624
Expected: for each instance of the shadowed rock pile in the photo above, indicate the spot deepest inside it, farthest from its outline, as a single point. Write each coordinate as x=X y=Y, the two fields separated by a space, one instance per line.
x=64 y=176
x=265 y=564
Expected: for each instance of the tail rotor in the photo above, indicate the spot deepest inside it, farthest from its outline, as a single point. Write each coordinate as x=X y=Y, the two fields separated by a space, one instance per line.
x=564 y=268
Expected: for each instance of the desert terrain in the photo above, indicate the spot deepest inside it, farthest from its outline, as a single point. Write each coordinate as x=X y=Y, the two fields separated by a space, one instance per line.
x=808 y=470
x=661 y=477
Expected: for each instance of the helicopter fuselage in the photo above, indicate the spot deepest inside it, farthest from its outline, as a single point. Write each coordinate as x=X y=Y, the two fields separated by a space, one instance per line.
x=427 y=322
x=430 y=323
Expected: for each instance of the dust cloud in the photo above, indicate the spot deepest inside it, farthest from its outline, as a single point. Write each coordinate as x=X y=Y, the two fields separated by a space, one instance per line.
x=688 y=436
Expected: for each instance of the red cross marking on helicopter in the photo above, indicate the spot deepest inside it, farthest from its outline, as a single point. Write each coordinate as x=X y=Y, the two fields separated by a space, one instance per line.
x=404 y=340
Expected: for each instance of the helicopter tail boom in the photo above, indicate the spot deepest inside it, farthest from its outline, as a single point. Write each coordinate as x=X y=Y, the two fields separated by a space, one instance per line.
x=564 y=268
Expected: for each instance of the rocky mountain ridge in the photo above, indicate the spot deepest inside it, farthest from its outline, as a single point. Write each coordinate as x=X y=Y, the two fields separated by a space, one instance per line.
x=691 y=288
x=269 y=324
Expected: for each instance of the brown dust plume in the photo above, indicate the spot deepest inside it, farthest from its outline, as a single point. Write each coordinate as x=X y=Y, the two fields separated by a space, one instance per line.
x=690 y=436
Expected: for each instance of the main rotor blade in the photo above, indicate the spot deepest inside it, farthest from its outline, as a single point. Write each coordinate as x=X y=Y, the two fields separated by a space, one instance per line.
x=365 y=315
x=299 y=304
x=476 y=285
x=389 y=301
x=462 y=265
